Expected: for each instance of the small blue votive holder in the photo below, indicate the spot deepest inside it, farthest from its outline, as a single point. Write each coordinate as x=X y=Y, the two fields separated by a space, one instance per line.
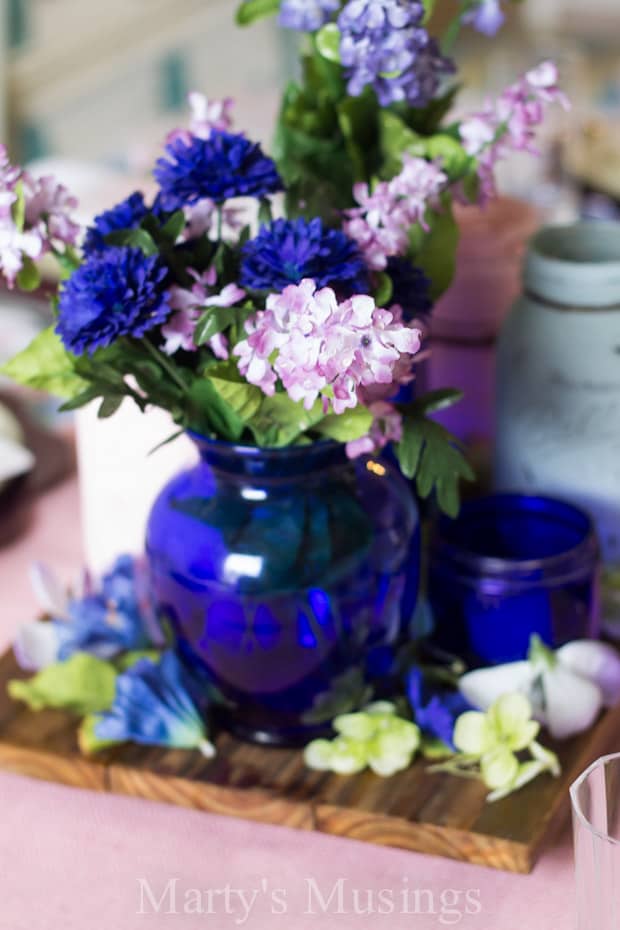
x=509 y=566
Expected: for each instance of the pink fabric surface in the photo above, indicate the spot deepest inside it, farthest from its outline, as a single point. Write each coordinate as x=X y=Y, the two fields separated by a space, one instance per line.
x=74 y=860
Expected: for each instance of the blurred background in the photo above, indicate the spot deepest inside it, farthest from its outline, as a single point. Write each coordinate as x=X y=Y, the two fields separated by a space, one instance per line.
x=89 y=90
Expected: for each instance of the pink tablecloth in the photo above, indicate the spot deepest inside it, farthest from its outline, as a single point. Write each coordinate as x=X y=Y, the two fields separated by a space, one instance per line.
x=72 y=860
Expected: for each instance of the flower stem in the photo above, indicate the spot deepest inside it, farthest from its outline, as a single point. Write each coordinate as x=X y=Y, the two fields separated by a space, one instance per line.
x=163 y=362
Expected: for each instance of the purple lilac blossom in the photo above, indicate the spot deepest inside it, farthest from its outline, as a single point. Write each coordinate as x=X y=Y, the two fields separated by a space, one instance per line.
x=189 y=304
x=47 y=222
x=509 y=124
x=306 y=15
x=382 y=221
x=288 y=251
x=117 y=292
x=218 y=168
x=320 y=348
x=486 y=17
x=383 y=45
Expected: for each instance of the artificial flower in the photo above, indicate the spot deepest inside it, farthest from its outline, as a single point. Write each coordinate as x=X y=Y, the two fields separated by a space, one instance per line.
x=585 y=670
x=375 y=737
x=318 y=347
x=382 y=221
x=128 y=214
x=206 y=116
x=435 y=709
x=509 y=125
x=152 y=706
x=486 y=17
x=49 y=207
x=384 y=45
x=288 y=251
x=306 y=15
x=219 y=168
x=81 y=684
x=387 y=427
x=117 y=292
x=189 y=305
x=103 y=621
x=490 y=747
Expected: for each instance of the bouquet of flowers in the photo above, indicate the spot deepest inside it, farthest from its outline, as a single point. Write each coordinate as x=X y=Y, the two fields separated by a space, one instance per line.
x=280 y=331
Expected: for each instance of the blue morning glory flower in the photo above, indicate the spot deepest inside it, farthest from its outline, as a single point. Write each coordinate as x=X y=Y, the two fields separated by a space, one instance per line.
x=128 y=214
x=287 y=251
x=104 y=622
x=435 y=710
x=117 y=292
x=411 y=288
x=153 y=707
x=218 y=168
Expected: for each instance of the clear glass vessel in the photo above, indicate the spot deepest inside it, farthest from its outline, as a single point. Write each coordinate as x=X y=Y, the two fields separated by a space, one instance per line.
x=595 y=798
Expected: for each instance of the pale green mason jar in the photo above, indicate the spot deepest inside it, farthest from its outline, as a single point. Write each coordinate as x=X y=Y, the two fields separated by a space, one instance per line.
x=558 y=376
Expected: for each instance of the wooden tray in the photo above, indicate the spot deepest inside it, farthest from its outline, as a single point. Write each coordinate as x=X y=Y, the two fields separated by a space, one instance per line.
x=436 y=814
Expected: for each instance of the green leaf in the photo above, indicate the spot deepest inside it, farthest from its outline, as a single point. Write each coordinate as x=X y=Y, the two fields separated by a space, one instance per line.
x=209 y=413
x=395 y=139
x=82 y=685
x=243 y=398
x=280 y=421
x=429 y=8
x=383 y=290
x=109 y=405
x=213 y=321
x=28 y=277
x=45 y=365
x=453 y=158
x=428 y=453
x=265 y=214
x=435 y=252
x=251 y=10
x=328 y=42
x=174 y=226
x=18 y=209
x=129 y=659
x=441 y=399
x=69 y=261
x=88 y=740
x=347 y=426
x=135 y=238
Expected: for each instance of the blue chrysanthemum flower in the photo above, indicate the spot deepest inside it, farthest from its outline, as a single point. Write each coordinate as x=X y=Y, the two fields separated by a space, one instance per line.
x=219 y=168
x=411 y=288
x=128 y=214
x=288 y=251
x=117 y=292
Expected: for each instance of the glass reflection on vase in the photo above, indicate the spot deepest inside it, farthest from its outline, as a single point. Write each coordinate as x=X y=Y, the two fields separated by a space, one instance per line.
x=285 y=576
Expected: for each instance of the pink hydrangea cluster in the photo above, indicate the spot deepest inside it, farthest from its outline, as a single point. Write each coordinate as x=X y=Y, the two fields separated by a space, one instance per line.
x=509 y=124
x=189 y=304
x=318 y=347
x=47 y=222
x=387 y=426
x=382 y=221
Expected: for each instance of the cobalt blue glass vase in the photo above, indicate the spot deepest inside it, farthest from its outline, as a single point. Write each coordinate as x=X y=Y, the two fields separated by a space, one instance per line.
x=509 y=566
x=282 y=573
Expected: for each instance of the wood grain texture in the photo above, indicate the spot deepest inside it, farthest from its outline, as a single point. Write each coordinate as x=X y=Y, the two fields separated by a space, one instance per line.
x=415 y=810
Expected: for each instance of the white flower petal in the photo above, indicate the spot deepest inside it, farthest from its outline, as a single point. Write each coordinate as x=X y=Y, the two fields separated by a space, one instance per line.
x=36 y=645
x=484 y=686
x=597 y=662
x=572 y=703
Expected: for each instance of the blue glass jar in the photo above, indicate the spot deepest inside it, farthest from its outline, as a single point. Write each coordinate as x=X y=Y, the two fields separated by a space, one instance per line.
x=282 y=573
x=509 y=566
